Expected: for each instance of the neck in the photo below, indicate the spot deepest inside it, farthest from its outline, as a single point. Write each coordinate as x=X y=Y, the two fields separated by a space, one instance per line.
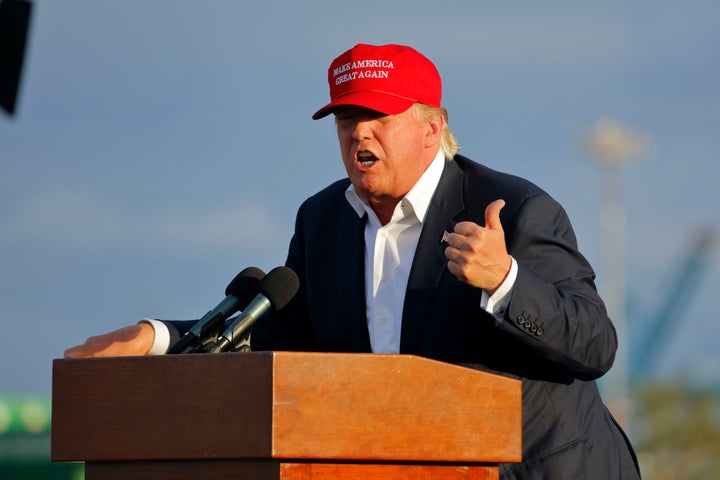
x=384 y=208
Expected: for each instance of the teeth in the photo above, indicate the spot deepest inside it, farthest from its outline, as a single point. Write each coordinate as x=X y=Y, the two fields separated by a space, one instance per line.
x=366 y=158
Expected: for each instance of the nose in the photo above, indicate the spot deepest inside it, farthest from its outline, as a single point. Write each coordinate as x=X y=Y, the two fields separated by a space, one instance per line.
x=362 y=130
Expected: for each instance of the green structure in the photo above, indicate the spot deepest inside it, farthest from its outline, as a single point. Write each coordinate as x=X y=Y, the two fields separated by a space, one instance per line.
x=25 y=441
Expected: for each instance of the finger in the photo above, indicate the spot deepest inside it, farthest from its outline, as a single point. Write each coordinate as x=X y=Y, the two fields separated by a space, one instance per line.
x=79 y=351
x=456 y=270
x=452 y=253
x=73 y=352
x=492 y=215
x=465 y=229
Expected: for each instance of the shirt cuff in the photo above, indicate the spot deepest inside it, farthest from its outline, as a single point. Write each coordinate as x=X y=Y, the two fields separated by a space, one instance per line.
x=162 y=337
x=497 y=303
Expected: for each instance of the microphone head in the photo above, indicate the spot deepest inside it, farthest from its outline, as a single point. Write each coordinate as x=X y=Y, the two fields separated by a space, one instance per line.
x=279 y=286
x=245 y=285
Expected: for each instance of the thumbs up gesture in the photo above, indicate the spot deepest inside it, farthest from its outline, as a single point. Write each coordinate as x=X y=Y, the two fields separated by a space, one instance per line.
x=478 y=255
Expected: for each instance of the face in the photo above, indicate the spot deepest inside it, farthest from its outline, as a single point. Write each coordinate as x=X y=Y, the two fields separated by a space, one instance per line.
x=385 y=155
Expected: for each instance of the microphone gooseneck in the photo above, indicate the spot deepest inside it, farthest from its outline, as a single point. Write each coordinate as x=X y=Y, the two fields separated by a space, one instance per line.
x=277 y=288
x=239 y=292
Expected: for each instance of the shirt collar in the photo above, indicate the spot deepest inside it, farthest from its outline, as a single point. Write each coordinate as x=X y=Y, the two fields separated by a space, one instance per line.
x=419 y=195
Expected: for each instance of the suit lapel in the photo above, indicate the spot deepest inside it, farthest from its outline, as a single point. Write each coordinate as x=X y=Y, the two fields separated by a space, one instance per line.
x=429 y=262
x=351 y=242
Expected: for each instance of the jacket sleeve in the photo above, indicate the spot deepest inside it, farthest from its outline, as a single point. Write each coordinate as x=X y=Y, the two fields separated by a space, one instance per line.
x=555 y=309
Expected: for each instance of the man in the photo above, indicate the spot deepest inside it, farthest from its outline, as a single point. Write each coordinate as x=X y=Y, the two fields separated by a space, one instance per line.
x=438 y=256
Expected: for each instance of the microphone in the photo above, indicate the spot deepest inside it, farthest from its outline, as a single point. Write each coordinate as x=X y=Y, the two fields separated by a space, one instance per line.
x=238 y=293
x=277 y=288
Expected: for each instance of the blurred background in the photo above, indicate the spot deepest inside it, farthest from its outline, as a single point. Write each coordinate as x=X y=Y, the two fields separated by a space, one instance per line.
x=155 y=148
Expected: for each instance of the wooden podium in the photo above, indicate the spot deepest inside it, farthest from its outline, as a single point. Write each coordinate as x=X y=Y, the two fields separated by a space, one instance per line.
x=279 y=415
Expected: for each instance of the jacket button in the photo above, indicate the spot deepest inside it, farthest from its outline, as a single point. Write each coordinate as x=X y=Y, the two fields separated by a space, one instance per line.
x=521 y=319
x=539 y=331
x=534 y=328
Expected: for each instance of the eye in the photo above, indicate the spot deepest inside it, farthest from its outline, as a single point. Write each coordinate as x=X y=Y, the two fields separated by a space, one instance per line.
x=346 y=118
x=344 y=121
x=373 y=115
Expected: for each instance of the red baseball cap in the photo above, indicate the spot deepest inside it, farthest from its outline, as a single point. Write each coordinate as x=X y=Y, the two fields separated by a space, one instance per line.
x=388 y=79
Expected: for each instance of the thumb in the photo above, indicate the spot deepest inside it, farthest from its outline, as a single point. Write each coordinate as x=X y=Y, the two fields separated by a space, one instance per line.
x=492 y=215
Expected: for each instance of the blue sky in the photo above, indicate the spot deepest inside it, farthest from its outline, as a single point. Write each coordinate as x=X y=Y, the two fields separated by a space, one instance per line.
x=160 y=147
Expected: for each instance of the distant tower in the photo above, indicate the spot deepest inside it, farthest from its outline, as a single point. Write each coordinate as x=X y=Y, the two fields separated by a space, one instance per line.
x=614 y=145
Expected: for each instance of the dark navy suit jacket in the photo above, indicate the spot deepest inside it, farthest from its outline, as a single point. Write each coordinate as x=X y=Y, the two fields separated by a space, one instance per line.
x=555 y=335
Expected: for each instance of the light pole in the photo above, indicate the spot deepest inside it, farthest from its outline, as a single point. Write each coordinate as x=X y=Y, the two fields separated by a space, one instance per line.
x=614 y=145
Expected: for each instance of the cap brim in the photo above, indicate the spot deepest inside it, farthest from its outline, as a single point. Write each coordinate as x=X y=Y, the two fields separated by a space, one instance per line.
x=382 y=102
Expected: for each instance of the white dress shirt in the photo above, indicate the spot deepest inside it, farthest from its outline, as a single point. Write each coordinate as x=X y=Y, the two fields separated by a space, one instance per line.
x=389 y=253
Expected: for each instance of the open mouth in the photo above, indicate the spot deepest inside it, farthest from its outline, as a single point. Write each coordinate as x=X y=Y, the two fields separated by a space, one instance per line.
x=366 y=159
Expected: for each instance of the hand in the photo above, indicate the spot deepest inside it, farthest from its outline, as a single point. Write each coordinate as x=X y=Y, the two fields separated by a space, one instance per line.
x=478 y=255
x=128 y=341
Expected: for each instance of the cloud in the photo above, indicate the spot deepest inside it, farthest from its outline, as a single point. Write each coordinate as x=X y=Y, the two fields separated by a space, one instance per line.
x=65 y=218
x=224 y=227
x=73 y=220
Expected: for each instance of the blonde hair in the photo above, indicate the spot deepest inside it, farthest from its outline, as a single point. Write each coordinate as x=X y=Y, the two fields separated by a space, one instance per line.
x=449 y=144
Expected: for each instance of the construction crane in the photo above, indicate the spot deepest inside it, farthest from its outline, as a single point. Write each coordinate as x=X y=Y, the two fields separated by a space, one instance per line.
x=697 y=259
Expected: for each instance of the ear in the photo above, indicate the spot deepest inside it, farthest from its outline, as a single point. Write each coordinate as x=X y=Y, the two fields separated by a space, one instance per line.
x=434 y=131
